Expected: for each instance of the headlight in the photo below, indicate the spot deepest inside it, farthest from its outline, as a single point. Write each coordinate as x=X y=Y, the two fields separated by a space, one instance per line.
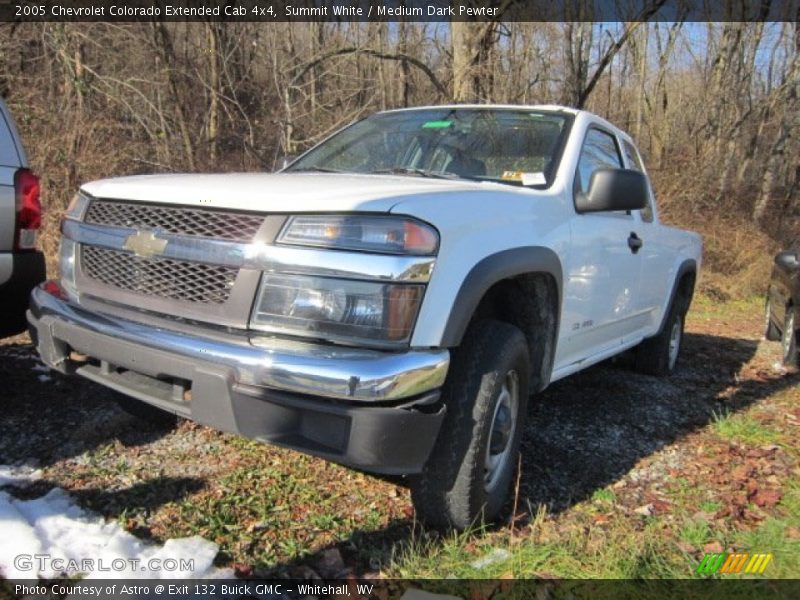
x=383 y=234
x=340 y=310
x=77 y=207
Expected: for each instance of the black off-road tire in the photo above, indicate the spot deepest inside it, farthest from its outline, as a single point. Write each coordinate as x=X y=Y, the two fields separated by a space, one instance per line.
x=146 y=412
x=654 y=356
x=789 y=339
x=456 y=488
x=771 y=332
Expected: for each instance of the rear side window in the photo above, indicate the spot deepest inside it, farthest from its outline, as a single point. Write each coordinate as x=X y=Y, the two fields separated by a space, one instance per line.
x=599 y=152
x=635 y=162
x=8 y=151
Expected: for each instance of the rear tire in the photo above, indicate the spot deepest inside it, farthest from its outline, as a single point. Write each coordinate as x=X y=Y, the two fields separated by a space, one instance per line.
x=146 y=412
x=771 y=332
x=789 y=339
x=468 y=475
x=658 y=355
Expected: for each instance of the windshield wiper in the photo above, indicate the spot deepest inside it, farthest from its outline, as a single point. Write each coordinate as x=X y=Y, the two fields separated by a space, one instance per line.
x=421 y=173
x=316 y=170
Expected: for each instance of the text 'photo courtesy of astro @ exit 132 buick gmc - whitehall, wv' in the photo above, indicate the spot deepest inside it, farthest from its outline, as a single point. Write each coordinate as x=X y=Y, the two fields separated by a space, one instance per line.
x=388 y=301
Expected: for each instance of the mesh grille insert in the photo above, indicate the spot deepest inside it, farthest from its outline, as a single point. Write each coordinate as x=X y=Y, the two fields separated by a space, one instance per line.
x=180 y=220
x=161 y=277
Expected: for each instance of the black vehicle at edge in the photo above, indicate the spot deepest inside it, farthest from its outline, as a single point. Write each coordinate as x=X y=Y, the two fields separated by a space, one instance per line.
x=783 y=300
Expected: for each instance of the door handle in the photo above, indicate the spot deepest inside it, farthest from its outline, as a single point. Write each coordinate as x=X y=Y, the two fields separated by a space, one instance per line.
x=634 y=242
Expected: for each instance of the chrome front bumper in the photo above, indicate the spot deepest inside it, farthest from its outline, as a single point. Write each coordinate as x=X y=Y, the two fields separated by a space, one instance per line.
x=376 y=411
x=352 y=374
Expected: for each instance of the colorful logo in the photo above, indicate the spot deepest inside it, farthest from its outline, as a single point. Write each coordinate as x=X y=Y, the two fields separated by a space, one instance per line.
x=732 y=564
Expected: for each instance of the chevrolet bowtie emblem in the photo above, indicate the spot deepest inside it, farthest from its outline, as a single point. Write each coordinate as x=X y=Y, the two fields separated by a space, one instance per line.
x=145 y=244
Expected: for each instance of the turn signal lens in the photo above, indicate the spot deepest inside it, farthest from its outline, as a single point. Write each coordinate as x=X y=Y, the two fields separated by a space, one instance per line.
x=384 y=235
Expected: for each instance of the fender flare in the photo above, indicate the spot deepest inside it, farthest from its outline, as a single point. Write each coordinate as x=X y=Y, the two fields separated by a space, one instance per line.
x=491 y=270
x=687 y=266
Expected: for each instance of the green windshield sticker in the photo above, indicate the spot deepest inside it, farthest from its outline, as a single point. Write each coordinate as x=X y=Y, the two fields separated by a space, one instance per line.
x=436 y=124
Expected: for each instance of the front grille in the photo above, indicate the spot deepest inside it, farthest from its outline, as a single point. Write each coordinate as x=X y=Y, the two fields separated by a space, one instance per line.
x=161 y=277
x=180 y=220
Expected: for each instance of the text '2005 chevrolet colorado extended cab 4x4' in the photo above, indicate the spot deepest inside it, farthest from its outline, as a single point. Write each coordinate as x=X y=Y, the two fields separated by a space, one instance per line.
x=388 y=301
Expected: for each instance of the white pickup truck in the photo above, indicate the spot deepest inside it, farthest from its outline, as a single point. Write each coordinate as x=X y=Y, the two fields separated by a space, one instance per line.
x=388 y=301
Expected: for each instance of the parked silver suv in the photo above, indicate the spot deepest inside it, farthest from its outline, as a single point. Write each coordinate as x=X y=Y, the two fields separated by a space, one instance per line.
x=22 y=267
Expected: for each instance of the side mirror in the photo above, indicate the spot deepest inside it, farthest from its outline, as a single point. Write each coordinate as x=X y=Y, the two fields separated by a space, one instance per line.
x=788 y=260
x=614 y=189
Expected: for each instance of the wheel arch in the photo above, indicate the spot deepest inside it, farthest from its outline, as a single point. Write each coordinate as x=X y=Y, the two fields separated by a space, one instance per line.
x=683 y=285
x=493 y=288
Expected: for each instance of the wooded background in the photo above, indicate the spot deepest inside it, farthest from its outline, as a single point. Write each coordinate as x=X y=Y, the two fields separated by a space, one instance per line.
x=714 y=106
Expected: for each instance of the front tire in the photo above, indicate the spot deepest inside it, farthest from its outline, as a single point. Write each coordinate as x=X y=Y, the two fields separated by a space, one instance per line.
x=789 y=339
x=468 y=475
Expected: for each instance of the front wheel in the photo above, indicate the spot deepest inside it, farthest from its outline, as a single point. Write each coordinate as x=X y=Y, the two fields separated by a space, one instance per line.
x=789 y=339
x=469 y=474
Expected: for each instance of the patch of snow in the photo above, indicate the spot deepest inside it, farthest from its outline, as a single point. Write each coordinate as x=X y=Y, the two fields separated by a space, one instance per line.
x=495 y=556
x=76 y=541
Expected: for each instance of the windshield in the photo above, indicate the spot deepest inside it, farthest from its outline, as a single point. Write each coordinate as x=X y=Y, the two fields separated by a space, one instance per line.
x=518 y=147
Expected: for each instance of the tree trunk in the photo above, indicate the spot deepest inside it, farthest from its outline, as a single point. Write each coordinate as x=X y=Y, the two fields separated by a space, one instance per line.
x=212 y=137
x=774 y=163
x=464 y=56
x=163 y=43
x=405 y=70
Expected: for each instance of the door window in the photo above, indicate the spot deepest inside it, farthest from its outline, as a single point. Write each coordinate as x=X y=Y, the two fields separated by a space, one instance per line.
x=599 y=152
x=635 y=162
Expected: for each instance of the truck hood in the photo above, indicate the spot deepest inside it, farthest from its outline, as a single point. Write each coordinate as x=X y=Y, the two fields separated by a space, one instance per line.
x=277 y=192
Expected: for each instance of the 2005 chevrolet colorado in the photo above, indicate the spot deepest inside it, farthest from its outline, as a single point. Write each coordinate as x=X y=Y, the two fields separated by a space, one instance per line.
x=388 y=301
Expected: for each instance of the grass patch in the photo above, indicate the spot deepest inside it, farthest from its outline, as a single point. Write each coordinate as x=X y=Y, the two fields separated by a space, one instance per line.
x=696 y=533
x=743 y=428
x=710 y=506
x=604 y=496
x=708 y=307
x=779 y=535
x=619 y=552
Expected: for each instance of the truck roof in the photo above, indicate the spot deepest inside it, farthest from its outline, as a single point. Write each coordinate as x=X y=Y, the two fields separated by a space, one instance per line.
x=550 y=107
x=544 y=107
